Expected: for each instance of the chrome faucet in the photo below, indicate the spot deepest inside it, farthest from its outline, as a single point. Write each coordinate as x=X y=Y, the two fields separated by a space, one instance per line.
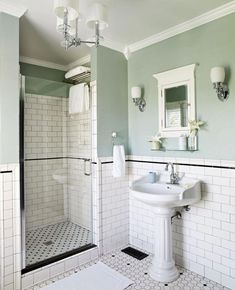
x=174 y=178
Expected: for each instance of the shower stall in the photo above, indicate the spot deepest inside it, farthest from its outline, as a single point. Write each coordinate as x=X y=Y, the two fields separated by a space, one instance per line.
x=55 y=170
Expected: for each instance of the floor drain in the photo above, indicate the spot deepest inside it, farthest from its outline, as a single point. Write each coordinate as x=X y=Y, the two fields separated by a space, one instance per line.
x=48 y=243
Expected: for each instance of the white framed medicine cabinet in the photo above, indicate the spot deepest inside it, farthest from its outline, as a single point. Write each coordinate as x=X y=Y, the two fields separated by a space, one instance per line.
x=176 y=100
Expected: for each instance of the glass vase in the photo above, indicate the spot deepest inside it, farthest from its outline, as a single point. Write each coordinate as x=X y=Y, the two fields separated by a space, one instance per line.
x=192 y=143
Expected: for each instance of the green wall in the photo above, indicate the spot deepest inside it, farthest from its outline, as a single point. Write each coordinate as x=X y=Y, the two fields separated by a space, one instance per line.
x=44 y=81
x=46 y=87
x=93 y=63
x=112 y=99
x=9 y=89
x=208 y=45
x=41 y=72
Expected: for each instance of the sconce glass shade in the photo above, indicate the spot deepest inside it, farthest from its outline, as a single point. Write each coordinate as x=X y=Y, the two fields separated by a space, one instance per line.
x=60 y=26
x=71 y=5
x=136 y=92
x=217 y=74
x=98 y=13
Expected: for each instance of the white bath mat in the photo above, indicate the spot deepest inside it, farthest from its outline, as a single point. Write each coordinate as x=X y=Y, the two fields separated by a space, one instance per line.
x=96 y=277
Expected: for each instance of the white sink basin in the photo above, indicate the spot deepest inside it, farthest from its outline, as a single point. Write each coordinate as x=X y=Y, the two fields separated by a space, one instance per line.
x=162 y=194
x=164 y=197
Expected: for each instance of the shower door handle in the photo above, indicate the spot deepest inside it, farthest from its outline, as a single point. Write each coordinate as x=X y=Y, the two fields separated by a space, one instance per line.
x=87 y=172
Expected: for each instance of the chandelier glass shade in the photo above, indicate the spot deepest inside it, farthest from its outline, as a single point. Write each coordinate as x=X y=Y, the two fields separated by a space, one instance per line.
x=67 y=12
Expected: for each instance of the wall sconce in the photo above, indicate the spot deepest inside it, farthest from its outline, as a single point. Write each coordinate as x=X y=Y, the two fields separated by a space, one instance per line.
x=217 y=78
x=137 y=98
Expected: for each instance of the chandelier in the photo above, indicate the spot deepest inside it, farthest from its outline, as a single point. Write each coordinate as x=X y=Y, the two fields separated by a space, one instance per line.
x=68 y=16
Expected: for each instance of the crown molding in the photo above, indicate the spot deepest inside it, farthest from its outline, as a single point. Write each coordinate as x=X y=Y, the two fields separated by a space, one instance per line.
x=34 y=61
x=204 y=18
x=13 y=9
x=118 y=46
x=43 y=63
x=80 y=61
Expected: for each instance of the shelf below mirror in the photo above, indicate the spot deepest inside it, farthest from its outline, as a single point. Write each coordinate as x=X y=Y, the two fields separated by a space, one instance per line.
x=165 y=149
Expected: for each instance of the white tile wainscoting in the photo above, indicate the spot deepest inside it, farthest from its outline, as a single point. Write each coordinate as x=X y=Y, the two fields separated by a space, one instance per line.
x=115 y=209
x=204 y=239
x=10 y=243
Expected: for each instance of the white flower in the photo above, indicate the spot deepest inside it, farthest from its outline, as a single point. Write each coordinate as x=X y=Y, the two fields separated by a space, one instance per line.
x=156 y=138
x=194 y=126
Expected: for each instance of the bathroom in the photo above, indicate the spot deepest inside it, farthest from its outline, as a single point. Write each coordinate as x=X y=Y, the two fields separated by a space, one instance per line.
x=132 y=184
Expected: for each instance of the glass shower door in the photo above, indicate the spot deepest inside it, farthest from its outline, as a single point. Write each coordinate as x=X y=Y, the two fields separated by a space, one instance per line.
x=57 y=177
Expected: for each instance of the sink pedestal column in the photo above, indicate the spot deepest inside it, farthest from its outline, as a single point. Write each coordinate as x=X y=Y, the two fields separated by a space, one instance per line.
x=163 y=267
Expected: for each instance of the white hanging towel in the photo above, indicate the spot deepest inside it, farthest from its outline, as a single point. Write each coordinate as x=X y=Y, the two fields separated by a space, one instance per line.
x=78 y=98
x=87 y=98
x=118 y=161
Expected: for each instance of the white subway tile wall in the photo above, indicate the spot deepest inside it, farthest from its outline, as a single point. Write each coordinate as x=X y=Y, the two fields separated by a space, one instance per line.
x=115 y=209
x=79 y=185
x=79 y=135
x=10 y=236
x=45 y=127
x=79 y=194
x=45 y=198
x=50 y=132
x=45 y=136
x=204 y=240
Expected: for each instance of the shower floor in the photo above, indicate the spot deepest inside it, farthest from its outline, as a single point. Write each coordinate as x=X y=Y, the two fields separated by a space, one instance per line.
x=49 y=241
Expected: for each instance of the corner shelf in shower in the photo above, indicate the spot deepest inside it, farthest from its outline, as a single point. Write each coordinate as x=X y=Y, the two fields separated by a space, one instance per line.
x=86 y=76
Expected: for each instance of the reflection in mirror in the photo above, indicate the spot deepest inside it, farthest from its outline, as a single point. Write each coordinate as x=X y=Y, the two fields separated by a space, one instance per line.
x=176 y=107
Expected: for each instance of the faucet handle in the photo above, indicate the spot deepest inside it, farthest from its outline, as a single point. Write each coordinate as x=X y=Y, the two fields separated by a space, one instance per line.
x=176 y=178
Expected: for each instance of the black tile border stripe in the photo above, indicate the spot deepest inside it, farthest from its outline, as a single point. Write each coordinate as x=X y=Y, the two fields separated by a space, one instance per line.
x=185 y=164
x=176 y=163
x=46 y=158
x=56 y=158
x=107 y=162
x=6 y=171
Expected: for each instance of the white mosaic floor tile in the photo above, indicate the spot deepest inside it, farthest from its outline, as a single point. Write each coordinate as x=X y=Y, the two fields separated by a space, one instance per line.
x=138 y=272
x=53 y=240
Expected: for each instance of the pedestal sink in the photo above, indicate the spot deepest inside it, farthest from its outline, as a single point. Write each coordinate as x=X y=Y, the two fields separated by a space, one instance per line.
x=165 y=198
x=61 y=176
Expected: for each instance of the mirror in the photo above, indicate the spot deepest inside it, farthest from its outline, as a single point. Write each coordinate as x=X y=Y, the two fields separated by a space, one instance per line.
x=176 y=100
x=176 y=104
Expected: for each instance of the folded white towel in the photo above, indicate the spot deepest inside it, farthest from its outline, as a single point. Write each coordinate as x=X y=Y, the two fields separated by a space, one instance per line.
x=118 y=161
x=76 y=71
x=78 y=98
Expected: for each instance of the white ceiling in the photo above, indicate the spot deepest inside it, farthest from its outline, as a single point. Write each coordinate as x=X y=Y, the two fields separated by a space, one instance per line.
x=130 y=21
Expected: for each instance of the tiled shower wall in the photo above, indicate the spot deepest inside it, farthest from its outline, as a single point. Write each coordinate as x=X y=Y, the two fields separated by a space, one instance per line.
x=45 y=198
x=79 y=193
x=45 y=126
x=204 y=240
x=45 y=137
x=58 y=141
x=79 y=185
